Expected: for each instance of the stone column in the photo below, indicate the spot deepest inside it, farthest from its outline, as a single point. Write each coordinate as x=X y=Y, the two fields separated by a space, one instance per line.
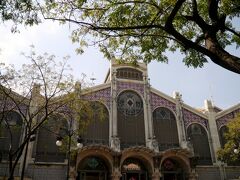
x=213 y=130
x=149 y=132
x=214 y=139
x=156 y=175
x=116 y=175
x=26 y=157
x=193 y=175
x=180 y=122
x=156 y=162
x=114 y=140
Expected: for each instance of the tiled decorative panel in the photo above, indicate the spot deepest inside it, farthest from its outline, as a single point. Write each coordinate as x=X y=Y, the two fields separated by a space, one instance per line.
x=103 y=95
x=9 y=105
x=126 y=86
x=226 y=118
x=189 y=117
x=157 y=101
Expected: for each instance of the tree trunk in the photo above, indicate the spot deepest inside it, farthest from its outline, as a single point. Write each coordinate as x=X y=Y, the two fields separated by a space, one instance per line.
x=222 y=57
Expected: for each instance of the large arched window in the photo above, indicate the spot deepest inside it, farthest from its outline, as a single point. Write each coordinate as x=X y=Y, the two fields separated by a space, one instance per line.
x=46 y=149
x=222 y=132
x=96 y=122
x=199 y=139
x=130 y=119
x=133 y=169
x=172 y=169
x=93 y=168
x=10 y=132
x=165 y=128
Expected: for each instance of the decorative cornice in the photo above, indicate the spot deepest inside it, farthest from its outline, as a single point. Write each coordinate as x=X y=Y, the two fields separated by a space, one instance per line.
x=227 y=111
x=185 y=106
x=95 y=88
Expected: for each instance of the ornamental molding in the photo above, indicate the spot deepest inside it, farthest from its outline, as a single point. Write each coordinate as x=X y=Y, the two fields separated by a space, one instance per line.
x=159 y=101
x=102 y=95
x=98 y=148
x=161 y=94
x=132 y=81
x=227 y=111
x=173 y=100
x=194 y=111
x=140 y=66
x=123 y=86
x=95 y=88
x=190 y=117
x=227 y=116
x=139 y=149
x=176 y=152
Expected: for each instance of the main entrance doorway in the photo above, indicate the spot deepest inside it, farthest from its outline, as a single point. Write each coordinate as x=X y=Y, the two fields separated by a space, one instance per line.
x=133 y=169
x=171 y=170
x=93 y=168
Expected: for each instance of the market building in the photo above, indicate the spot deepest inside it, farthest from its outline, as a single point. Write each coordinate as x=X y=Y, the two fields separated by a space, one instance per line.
x=146 y=135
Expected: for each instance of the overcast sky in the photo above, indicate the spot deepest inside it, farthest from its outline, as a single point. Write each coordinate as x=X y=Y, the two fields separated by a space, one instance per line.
x=195 y=85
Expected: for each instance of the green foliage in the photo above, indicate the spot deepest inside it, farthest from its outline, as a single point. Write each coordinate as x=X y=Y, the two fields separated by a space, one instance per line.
x=232 y=136
x=132 y=31
x=19 y=12
x=36 y=91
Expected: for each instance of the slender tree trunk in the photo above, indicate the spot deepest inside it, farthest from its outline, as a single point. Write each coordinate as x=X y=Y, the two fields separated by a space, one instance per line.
x=24 y=161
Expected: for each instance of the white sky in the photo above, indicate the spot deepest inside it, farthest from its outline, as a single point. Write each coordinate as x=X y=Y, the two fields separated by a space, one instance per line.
x=210 y=82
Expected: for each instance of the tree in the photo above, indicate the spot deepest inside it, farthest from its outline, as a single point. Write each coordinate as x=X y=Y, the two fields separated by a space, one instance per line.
x=34 y=92
x=230 y=152
x=37 y=93
x=19 y=12
x=143 y=30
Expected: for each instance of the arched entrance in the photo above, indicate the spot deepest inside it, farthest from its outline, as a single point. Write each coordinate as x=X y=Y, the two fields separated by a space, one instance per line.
x=133 y=169
x=93 y=168
x=172 y=170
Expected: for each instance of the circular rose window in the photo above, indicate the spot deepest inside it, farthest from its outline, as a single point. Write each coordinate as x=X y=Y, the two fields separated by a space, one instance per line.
x=129 y=103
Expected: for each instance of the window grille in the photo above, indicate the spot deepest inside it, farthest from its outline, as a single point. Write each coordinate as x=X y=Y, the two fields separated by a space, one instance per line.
x=130 y=119
x=14 y=120
x=130 y=104
x=222 y=132
x=129 y=73
x=199 y=139
x=165 y=128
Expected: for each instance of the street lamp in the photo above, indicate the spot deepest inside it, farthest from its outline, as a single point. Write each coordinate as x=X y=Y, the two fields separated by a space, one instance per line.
x=236 y=150
x=79 y=145
x=59 y=141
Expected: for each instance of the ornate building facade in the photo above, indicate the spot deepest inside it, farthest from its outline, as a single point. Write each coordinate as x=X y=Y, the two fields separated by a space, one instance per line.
x=145 y=135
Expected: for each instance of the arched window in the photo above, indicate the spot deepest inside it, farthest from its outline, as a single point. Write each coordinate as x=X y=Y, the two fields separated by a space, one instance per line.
x=93 y=168
x=165 y=128
x=130 y=119
x=96 y=122
x=46 y=148
x=222 y=132
x=129 y=73
x=10 y=132
x=172 y=169
x=133 y=169
x=199 y=139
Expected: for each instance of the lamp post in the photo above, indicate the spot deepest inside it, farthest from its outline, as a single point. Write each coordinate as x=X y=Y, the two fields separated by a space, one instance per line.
x=236 y=146
x=59 y=143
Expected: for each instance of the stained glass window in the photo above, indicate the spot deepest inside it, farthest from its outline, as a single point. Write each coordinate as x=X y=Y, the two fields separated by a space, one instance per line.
x=130 y=104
